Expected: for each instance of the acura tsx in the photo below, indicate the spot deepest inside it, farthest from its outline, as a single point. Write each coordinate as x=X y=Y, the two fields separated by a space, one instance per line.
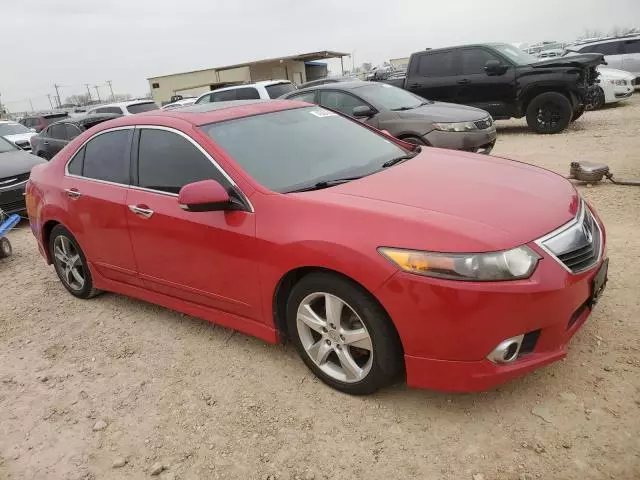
x=281 y=219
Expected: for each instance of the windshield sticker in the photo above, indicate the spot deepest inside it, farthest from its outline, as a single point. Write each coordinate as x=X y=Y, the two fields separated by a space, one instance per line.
x=323 y=113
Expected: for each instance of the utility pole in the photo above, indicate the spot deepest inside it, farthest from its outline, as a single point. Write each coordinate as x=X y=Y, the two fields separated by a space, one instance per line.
x=88 y=92
x=57 y=94
x=97 y=92
x=31 y=103
x=113 y=97
x=50 y=103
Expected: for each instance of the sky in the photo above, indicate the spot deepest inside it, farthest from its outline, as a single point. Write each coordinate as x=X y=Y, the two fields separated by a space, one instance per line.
x=76 y=42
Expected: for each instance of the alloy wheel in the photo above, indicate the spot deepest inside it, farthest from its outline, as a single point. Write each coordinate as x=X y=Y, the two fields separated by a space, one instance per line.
x=549 y=115
x=69 y=263
x=334 y=337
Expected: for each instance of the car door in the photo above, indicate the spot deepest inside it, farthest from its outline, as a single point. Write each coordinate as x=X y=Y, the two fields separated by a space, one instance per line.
x=201 y=257
x=54 y=139
x=478 y=88
x=95 y=188
x=345 y=102
x=432 y=75
x=631 y=57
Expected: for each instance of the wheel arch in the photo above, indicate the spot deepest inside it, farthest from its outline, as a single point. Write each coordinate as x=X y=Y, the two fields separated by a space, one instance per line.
x=288 y=281
x=47 y=228
x=532 y=92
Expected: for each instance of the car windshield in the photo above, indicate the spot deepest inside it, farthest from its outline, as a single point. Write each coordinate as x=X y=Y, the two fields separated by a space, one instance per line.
x=279 y=89
x=388 y=97
x=12 y=129
x=142 y=107
x=299 y=148
x=516 y=55
x=6 y=146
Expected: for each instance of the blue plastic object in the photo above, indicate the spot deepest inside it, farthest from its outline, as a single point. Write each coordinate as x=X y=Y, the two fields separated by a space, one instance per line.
x=8 y=224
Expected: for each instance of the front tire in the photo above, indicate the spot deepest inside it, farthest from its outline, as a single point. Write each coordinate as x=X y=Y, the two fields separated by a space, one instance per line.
x=414 y=140
x=342 y=334
x=70 y=263
x=5 y=247
x=549 y=113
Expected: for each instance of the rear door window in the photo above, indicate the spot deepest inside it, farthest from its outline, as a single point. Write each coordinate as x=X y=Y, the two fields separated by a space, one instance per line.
x=71 y=131
x=304 y=97
x=632 y=46
x=608 y=48
x=140 y=107
x=439 y=64
x=224 y=96
x=58 y=132
x=279 y=89
x=107 y=157
x=247 y=93
x=167 y=162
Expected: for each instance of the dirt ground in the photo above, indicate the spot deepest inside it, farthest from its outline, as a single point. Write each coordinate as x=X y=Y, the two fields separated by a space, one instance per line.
x=109 y=387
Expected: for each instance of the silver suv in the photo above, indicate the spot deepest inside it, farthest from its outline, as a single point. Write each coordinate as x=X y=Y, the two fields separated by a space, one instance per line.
x=622 y=53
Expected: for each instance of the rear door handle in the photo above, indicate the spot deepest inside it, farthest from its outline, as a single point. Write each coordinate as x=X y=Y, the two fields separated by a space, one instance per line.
x=464 y=81
x=45 y=142
x=414 y=85
x=72 y=193
x=143 y=212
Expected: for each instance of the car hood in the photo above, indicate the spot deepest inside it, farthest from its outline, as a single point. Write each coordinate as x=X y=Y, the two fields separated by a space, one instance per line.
x=449 y=201
x=20 y=136
x=572 y=60
x=17 y=162
x=444 y=112
x=615 y=74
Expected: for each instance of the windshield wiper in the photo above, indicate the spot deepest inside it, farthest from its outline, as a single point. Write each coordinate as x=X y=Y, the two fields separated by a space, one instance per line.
x=324 y=184
x=403 y=158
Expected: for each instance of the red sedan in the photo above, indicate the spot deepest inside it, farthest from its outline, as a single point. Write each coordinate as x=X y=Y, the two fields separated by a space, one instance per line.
x=281 y=219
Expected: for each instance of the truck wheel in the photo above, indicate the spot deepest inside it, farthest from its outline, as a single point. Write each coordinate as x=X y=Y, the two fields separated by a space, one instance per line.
x=549 y=112
x=598 y=99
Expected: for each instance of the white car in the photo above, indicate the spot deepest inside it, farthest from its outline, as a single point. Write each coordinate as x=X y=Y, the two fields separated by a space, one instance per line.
x=17 y=134
x=125 y=108
x=179 y=103
x=251 y=91
x=615 y=85
x=622 y=53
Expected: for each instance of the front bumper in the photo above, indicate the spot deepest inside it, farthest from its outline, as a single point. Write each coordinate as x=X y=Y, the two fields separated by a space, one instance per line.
x=448 y=328
x=12 y=199
x=476 y=141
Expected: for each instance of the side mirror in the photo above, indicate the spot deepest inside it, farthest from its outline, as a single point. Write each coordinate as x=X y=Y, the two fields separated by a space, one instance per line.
x=495 y=67
x=204 y=196
x=363 y=111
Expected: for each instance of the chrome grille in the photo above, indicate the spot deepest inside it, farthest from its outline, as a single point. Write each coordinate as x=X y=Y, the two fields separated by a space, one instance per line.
x=577 y=244
x=7 y=182
x=482 y=124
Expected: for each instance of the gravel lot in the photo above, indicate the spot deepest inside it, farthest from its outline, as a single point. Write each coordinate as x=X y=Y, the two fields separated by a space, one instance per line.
x=114 y=387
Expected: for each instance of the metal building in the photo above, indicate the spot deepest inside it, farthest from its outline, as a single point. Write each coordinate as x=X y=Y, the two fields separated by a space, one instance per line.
x=296 y=68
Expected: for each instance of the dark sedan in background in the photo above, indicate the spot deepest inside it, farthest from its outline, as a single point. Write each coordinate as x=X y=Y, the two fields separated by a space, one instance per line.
x=53 y=138
x=15 y=168
x=405 y=115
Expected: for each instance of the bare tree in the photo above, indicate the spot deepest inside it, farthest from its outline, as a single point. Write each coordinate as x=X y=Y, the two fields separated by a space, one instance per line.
x=121 y=97
x=80 y=100
x=590 y=33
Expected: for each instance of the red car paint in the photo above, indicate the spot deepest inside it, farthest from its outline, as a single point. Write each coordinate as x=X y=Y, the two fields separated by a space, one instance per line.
x=226 y=266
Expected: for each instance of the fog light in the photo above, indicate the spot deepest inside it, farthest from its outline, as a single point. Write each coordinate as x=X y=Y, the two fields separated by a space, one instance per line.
x=507 y=350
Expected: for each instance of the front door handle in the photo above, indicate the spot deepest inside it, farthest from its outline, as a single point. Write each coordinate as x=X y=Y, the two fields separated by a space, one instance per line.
x=141 y=210
x=73 y=193
x=464 y=81
x=46 y=143
x=414 y=85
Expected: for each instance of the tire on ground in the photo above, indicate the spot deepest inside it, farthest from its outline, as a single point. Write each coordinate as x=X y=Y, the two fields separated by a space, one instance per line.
x=555 y=101
x=387 y=363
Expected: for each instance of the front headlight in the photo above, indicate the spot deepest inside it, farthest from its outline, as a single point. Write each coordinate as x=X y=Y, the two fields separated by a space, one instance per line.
x=455 y=127
x=621 y=82
x=492 y=266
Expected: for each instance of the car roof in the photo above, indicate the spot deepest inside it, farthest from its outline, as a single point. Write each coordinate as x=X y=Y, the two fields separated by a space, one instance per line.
x=206 y=113
x=88 y=118
x=607 y=40
x=348 y=85
x=265 y=83
x=123 y=104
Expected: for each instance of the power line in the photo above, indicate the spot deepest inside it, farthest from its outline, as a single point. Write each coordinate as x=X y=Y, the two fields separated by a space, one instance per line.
x=88 y=91
x=57 y=95
x=50 y=103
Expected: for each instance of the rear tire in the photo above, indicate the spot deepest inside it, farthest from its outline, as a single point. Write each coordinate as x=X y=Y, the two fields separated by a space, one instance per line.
x=351 y=345
x=549 y=113
x=70 y=263
x=599 y=99
x=5 y=247
x=414 y=140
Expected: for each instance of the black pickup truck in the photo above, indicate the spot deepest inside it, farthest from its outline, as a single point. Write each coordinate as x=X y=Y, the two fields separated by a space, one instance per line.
x=506 y=82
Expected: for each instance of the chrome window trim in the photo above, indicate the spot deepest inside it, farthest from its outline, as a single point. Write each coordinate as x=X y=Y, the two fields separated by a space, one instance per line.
x=578 y=219
x=136 y=187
